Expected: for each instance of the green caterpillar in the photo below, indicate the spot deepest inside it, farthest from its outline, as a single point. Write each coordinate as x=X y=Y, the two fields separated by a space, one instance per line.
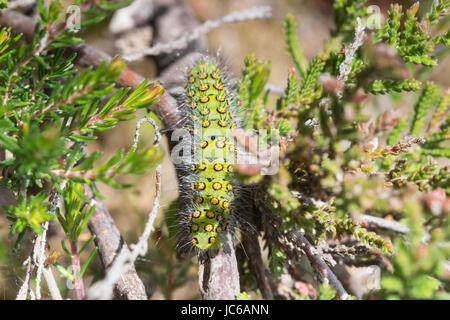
x=209 y=110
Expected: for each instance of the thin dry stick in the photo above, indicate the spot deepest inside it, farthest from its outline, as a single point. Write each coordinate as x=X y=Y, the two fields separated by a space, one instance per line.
x=253 y=249
x=183 y=41
x=26 y=289
x=384 y=223
x=40 y=259
x=31 y=262
x=344 y=70
x=104 y=289
x=76 y=269
x=295 y=241
x=318 y=263
x=51 y=283
x=110 y=244
x=345 y=67
x=37 y=257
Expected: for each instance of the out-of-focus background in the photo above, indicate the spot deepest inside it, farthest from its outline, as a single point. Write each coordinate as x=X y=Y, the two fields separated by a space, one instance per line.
x=129 y=207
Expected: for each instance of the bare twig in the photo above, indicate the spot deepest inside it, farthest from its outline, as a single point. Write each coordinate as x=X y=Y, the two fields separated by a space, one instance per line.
x=345 y=67
x=317 y=263
x=76 y=269
x=384 y=223
x=52 y=286
x=294 y=241
x=37 y=257
x=183 y=41
x=26 y=289
x=51 y=283
x=111 y=244
x=40 y=259
x=253 y=249
x=104 y=289
x=138 y=127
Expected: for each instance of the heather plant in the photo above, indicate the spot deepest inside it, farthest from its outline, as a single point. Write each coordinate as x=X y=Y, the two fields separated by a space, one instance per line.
x=357 y=184
x=50 y=109
x=346 y=177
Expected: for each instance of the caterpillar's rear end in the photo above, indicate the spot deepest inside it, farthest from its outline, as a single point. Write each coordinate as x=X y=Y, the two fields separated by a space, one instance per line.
x=209 y=106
